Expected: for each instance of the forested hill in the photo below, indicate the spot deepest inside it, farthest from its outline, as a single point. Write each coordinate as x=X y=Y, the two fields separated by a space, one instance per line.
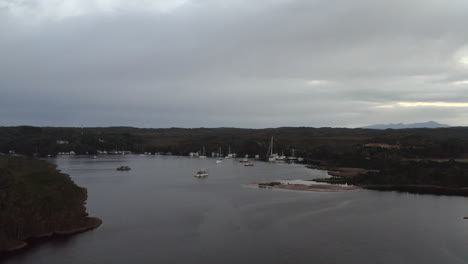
x=314 y=143
x=36 y=200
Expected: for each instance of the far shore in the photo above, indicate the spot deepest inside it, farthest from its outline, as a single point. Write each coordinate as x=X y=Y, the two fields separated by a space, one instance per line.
x=344 y=175
x=307 y=187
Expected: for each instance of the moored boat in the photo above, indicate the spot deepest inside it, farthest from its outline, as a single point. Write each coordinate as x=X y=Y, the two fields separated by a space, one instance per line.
x=123 y=168
x=201 y=173
x=203 y=155
x=272 y=157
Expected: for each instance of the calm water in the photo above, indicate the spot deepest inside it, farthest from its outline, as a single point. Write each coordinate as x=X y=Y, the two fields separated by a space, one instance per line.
x=159 y=213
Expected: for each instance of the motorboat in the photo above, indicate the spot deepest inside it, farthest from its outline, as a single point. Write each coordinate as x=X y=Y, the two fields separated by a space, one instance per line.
x=123 y=168
x=201 y=173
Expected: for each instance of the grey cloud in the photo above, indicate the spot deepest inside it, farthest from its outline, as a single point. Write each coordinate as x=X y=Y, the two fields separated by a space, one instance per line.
x=237 y=63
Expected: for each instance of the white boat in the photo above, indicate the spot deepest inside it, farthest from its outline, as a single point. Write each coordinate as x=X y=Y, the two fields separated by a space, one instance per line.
x=203 y=155
x=292 y=157
x=281 y=158
x=218 y=161
x=271 y=157
x=229 y=156
x=201 y=173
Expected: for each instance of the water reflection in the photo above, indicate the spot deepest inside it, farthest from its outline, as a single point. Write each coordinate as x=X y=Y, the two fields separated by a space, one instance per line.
x=159 y=213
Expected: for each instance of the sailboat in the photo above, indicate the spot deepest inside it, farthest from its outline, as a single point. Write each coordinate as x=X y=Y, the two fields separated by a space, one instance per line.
x=281 y=158
x=292 y=157
x=203 y=155
x=229 y=153
x=271 y=157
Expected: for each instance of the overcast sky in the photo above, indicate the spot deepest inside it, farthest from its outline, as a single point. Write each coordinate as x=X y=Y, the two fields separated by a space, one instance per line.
x=236 y=63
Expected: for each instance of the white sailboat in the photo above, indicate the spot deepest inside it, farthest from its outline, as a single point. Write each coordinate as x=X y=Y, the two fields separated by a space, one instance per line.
x=203 y=155
x=292 y=157
x=281 y=158
x=229 y=153
x=271 y=157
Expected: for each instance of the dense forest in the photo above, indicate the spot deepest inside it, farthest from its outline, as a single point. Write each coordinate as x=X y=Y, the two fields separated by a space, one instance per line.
x=419 y=156
x=36 y=200
x=339 y=144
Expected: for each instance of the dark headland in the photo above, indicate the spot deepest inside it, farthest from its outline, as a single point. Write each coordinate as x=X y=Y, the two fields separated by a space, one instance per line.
x=37 y=201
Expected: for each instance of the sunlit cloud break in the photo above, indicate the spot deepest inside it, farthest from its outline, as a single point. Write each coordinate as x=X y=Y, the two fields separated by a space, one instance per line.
x=424 y=104
x=464 y=82
x=318 y=82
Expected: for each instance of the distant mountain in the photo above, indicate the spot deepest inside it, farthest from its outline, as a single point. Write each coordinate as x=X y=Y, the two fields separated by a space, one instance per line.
x=430 y=124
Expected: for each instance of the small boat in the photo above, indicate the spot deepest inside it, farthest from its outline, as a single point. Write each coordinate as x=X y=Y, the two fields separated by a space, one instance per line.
x=219 y=161
x=292 y=157
x=248 y=164
x=281 y=158
x=271 y=157
x=229 y=156
x=123 y=168
x=201 y=173
x=203 y=155
x=244 y=160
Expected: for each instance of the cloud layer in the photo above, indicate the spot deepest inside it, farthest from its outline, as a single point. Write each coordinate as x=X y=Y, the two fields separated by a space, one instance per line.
x=233 y=63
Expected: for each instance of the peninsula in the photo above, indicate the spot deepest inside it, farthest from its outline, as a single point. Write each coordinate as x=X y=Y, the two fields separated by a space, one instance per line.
x=37 y=201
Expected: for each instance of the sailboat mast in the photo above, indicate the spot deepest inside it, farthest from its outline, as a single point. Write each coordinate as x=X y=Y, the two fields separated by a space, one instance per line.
x=271 y=146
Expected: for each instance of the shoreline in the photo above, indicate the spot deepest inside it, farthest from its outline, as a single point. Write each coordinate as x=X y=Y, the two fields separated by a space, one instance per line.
x=420 y=189
x=342 y=175
x=93 y=223
x=46 y=201
x=306 y=187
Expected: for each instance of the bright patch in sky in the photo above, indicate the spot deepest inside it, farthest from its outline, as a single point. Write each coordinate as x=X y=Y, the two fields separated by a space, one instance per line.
x=464 y=60
x=462 y=55
x=317 y=82
x=464 y=82
x=424 y=104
